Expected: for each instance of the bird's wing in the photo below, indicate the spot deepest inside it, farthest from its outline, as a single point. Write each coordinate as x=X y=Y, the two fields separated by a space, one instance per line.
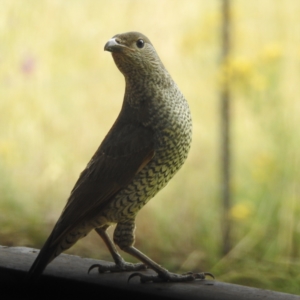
x=123 y=153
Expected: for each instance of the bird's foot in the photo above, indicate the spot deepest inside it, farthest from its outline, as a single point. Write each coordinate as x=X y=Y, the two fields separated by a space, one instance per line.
x=171 y=277
x=122 y=267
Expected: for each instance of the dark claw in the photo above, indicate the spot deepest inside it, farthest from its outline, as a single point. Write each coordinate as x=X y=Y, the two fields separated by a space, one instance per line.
x=209 y=274
x=200 y=275
x=133 y=275
x=145 y=278
x=103 y=269
x=93 y=267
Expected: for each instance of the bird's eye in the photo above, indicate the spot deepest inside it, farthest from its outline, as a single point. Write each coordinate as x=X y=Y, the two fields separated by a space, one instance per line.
x=140 y=43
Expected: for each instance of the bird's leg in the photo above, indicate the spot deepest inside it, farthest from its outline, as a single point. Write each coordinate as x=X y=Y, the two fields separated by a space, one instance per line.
x=120 y=263
x=163 y=275
x=124 y=238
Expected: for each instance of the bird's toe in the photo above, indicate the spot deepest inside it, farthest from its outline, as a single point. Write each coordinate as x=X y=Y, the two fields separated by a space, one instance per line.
x=171 y=277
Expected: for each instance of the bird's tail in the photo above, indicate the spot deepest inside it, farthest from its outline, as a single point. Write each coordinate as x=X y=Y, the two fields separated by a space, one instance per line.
x=44 y=257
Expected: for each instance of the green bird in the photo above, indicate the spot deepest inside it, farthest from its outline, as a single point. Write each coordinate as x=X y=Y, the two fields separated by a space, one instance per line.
x=146 y=146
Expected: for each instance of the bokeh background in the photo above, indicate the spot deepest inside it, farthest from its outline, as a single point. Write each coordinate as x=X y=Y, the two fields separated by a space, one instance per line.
x=60 y=93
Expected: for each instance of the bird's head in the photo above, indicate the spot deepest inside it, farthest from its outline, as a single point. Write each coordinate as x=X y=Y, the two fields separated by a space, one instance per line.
x=134 y=54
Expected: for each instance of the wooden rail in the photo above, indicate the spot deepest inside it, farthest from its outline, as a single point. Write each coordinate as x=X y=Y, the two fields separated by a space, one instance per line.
x=67 y=276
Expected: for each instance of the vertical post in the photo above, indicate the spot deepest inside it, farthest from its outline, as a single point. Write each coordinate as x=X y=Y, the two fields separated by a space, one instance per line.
x=225 y=127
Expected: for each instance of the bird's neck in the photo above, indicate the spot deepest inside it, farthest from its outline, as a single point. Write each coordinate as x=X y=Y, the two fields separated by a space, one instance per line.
x=147 y=83
x=147 y=97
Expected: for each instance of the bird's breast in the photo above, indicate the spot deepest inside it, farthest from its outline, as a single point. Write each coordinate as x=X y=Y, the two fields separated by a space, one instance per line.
x=169 y=118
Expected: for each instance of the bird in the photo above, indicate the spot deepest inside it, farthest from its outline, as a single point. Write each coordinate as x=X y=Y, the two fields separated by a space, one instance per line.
x=145 y=147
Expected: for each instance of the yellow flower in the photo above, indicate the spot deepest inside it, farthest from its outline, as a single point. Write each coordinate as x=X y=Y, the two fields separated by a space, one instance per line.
x=241 y=66
x=241 y=211
x=239 y=69
x=271 y=52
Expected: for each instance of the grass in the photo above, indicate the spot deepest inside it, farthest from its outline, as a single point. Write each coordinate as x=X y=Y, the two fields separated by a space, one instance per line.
x=60 y=93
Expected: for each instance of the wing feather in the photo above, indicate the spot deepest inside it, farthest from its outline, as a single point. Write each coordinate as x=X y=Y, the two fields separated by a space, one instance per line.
x=124 y=152
x=112 y=168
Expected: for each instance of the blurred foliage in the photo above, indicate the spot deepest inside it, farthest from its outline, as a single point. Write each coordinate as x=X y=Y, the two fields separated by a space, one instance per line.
x=60 y=93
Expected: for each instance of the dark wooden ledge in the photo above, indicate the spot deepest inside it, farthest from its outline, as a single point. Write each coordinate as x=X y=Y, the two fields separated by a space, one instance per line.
x=67 y=276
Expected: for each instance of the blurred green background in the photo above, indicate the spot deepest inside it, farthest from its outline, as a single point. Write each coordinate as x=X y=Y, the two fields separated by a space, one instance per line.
x=60 y=93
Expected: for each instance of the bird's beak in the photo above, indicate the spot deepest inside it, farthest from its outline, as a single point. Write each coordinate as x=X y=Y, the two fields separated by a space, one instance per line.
x=113 y=46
